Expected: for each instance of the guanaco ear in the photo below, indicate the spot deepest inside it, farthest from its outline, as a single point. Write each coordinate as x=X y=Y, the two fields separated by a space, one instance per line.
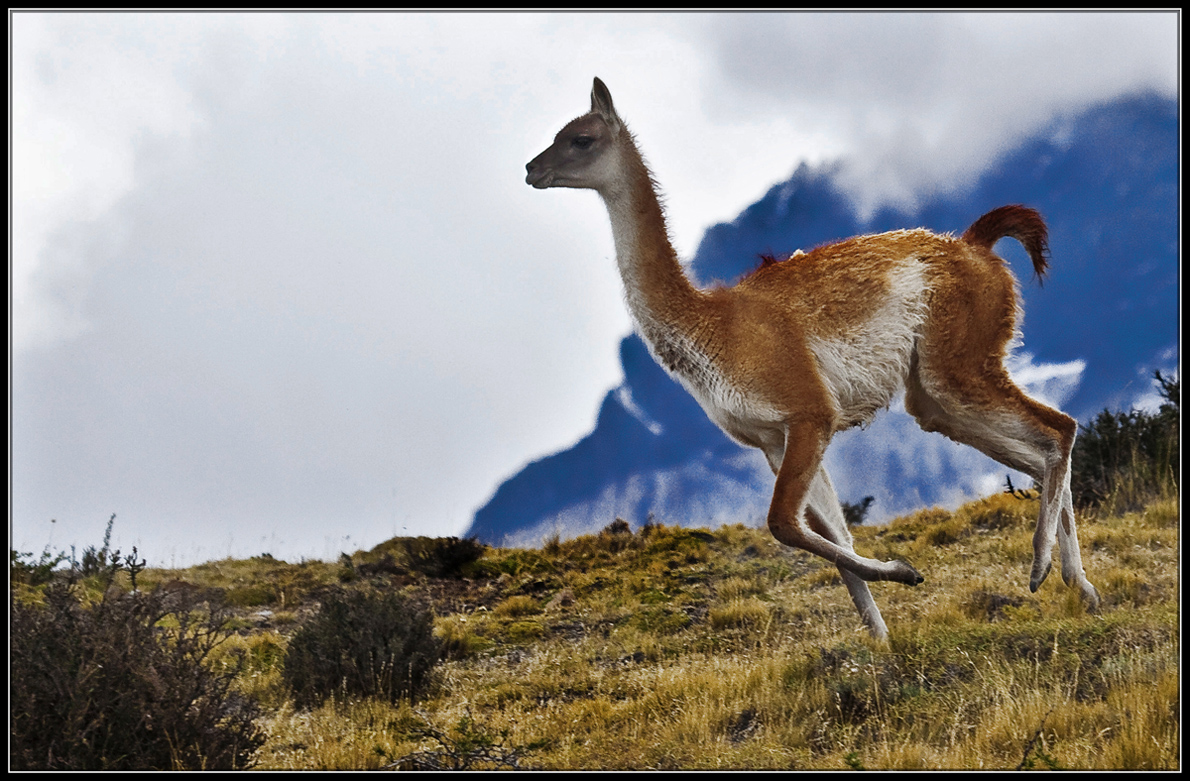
x=601 y=104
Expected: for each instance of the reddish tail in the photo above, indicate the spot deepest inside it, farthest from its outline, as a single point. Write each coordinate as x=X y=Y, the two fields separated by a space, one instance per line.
x=1019 y=222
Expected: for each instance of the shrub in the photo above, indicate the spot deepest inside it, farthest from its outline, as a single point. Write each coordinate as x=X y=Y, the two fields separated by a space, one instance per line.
x=97 y=561
x=362 y=643
x=616 y=536
x=1128 y=456
x=469 y=746
x=854 y=514
x=23 y=568
x=618 y=526
x=123 y=684
x=442 y=557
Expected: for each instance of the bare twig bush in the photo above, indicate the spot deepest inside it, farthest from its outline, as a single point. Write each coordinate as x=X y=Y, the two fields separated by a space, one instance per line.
x=362 y=643
x=123 y=684
x=468 y=746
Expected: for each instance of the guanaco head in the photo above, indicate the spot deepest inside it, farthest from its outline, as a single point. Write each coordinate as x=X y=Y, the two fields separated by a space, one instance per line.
x=584 y=153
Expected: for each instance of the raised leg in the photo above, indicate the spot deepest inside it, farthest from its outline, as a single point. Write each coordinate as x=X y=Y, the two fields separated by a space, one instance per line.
x=804 y=446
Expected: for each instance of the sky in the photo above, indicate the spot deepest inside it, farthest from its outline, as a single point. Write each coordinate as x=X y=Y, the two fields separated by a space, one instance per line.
x=277 y=283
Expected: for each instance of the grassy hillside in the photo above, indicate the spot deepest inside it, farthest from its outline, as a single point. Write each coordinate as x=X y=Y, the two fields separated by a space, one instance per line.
x=675 y=648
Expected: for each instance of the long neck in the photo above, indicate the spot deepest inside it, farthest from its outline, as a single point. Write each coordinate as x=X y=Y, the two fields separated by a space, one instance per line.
x=659 y=294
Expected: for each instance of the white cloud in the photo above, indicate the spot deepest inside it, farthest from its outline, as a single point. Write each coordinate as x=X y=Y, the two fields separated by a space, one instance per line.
x=85 y=90
x=1050 y=383
x=923 y=102
x=277 y=279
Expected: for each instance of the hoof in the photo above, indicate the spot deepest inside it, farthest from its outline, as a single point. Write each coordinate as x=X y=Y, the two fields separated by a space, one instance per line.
x=1036 y=580
x=1089 y=594
x=907 y=574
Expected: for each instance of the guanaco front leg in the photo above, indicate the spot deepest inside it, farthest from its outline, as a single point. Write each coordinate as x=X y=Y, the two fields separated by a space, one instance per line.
x=805 y=443
x=825 y=515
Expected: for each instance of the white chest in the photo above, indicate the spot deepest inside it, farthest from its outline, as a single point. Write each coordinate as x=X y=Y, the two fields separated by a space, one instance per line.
x=742 y=415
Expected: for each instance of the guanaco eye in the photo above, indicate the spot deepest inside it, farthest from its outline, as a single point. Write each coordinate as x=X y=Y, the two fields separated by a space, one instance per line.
x=582 y=142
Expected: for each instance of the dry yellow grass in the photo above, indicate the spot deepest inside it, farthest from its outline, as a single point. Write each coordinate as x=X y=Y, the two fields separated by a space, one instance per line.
x=687 y=649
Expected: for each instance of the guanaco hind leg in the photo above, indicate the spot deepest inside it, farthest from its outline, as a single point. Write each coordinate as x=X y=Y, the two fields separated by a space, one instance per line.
x=989 y=413
x=1057 y=514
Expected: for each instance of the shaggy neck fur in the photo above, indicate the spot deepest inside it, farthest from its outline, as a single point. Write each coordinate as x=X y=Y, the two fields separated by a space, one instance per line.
x=659 y=294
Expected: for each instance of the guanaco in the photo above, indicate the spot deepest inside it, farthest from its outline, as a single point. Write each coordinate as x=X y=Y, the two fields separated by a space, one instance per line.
x=819 y=342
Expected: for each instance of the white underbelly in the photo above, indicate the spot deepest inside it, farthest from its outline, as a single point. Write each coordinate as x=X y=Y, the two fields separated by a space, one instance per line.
x=864 y=368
